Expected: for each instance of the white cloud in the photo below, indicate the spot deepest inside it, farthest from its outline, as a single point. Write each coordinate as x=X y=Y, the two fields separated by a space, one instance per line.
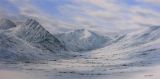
x=157 y=2
x=102 y=14
x=2 y=12
x=111 y=13
x=27 y=8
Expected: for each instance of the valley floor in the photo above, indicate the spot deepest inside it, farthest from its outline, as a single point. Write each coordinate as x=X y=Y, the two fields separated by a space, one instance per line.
x=76 y=71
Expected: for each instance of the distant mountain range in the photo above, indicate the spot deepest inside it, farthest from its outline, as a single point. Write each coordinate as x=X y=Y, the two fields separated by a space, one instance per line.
x=31 y=41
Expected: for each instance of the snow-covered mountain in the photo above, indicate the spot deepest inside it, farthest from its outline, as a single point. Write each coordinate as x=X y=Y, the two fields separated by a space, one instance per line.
x=30 y=40
x=15 y=49
x=6 y=24
x=82 y=40
x=149 y=34
x=142 y=36
x=82 y=53
x=32 y=32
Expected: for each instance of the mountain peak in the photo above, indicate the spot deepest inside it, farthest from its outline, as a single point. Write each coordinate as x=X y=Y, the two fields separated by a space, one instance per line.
x=6 y=24
x=32 y=32
x=82 y=40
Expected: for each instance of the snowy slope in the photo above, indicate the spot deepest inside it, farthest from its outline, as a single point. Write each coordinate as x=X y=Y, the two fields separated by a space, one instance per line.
x=16 y=50
x=82 y=40
x=129 y=55
x=149 y=34
x=28 y=42
x=137 y=37
x=34 y=33
x=109 y=62
x=6 y=24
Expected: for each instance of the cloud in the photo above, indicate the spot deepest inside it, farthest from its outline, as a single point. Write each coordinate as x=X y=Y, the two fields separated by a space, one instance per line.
x=157 y=2
x=114 y=14
x=2 y=12
x=93 y=14
x=28 y=8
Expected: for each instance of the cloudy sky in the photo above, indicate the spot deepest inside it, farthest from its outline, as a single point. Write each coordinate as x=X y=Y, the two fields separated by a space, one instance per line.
x=104 y=14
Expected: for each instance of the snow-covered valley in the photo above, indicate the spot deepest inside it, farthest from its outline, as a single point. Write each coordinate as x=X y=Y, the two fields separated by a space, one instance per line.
x=29 y=51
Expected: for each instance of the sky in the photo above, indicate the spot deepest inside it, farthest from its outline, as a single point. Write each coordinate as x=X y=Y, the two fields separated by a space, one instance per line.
x=97 y=14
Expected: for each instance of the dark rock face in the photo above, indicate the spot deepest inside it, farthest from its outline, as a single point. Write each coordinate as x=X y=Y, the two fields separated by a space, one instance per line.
x=6 y=24
x=32 y=32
